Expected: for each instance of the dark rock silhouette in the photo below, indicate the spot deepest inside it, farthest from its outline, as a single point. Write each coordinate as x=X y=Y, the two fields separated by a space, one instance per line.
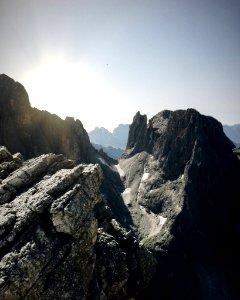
x=138 y=135
x=175 y=188
x=33 y=132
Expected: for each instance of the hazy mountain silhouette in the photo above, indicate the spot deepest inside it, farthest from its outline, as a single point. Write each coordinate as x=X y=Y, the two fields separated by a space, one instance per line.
x=233 y=132
x=103 y=137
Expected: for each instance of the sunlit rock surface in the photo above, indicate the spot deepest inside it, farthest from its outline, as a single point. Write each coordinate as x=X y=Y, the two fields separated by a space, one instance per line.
x=57 y=236
x=33 y=132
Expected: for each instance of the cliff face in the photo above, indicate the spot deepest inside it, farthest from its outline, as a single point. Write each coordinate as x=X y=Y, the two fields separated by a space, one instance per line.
x=181 y=186
x=57 y=237
x=176 y=187
x=33 y=132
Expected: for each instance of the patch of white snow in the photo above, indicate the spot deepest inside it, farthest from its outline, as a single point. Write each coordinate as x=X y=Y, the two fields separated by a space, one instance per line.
x=127 y=195
x=162 y=220
x=155 y=222
x=145 y=176
x=120 y=170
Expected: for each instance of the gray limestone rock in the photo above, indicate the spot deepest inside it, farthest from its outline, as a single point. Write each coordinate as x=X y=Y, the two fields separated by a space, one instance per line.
x=181 y=187
x=58 y=239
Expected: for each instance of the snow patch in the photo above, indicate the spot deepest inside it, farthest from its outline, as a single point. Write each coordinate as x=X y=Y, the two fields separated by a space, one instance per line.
x=155 y=221
x=127 y=191
x=120 y=170
x=145 y=176
x=162 y=220
x=127 y=195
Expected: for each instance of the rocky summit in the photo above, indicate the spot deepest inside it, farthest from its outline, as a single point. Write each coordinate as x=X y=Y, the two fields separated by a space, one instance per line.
x=57 y=236
x=181 y=187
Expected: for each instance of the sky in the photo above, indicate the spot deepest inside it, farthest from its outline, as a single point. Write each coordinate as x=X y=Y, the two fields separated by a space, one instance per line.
x=101 y=61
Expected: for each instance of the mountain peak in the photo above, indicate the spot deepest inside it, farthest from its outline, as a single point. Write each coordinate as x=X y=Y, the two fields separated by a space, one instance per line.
x=117 y=139
x=33 y=132
x=13 y=94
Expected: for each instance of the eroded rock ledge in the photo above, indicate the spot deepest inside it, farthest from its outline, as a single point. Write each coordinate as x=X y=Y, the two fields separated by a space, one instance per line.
x=57 y=237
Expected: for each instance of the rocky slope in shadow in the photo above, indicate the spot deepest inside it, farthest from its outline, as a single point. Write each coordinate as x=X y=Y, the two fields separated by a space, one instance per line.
x=175 y=186
x=33 y=132
x=57 y=236
x=181 y=186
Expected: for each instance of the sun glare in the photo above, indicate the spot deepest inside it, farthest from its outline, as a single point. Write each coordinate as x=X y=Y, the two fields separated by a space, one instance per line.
x=70 y=89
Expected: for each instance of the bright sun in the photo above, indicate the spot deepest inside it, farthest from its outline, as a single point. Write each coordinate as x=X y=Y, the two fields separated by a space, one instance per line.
x=71 y=89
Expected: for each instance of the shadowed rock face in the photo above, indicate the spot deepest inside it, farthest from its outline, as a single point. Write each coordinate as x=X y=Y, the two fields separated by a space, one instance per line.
x=33 y=132
x=57 y=237
x=176 y=186
x=181 y=186
x=138 y=135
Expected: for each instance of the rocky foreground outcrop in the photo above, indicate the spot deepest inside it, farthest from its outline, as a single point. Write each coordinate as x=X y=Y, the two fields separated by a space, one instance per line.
x=33 y=132
x=175 y=187
x=181 y=187
x=57 y=236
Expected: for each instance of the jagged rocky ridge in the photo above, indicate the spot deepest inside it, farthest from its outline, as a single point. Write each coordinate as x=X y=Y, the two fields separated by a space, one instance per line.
x=33 y=132
x=175 y=186
x=181 y=187
x=57 y=236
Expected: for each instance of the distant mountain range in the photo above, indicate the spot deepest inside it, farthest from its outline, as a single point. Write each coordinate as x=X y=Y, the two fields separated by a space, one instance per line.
x=233 y=132
x=117 y=139
x=112 y=152
x=112 y=143
x=163 y=223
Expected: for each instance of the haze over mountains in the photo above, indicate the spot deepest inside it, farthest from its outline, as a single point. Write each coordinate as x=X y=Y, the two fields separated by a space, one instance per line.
x=116 y=139
x=112 y=143
x=163 y=223
x=233 y=132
